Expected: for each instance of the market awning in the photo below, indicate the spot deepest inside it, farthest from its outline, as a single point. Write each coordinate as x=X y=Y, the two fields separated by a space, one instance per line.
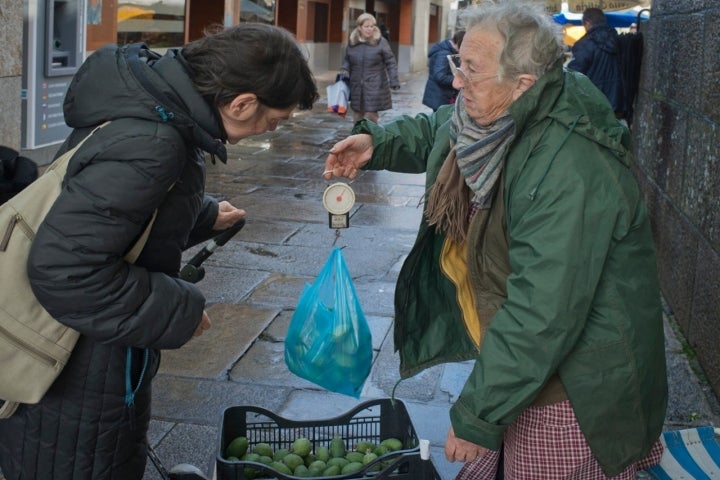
x=621 y=19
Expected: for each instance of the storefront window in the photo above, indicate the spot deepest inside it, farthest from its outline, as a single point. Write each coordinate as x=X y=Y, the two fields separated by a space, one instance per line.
x=161 y=24
x=257 y=11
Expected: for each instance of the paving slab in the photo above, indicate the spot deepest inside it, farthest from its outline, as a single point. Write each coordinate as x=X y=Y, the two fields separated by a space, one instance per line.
x=234 y=329
x=228 y=285
x=189 y=400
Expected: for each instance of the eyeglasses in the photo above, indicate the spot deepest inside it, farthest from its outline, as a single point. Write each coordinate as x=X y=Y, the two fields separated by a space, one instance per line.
x=454 y=61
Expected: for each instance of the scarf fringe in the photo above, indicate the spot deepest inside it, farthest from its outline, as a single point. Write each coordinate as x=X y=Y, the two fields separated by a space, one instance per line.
x=449 y=200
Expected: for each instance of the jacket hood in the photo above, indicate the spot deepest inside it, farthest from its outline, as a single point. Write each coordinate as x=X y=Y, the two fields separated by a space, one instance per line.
x=588 y=116
x=441 y=47
x=605 y=37
x=356 y=37
x=133 y=81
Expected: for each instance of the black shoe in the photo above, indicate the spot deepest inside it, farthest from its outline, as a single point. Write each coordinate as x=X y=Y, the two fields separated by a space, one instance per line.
x=185 y=471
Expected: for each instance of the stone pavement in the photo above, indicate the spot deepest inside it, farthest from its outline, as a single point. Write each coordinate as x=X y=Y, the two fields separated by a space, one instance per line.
x=254 y=282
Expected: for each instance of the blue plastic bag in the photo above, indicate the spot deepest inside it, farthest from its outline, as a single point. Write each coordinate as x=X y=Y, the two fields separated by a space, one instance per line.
x=328 y=341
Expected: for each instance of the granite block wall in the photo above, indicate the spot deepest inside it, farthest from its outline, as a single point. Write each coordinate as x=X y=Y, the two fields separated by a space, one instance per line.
x=676 y=133
x=11 y=34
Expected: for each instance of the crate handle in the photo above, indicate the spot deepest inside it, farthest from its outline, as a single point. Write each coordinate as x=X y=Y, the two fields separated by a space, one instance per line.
x=282 y=421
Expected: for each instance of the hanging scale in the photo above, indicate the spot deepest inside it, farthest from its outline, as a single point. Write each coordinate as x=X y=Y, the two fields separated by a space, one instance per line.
x=338 y=199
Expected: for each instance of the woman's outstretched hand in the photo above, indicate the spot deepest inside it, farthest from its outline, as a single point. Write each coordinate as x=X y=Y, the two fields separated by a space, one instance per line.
x=348 y=156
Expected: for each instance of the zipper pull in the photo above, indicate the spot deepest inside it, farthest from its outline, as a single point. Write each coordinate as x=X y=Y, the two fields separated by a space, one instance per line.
x=8 y=232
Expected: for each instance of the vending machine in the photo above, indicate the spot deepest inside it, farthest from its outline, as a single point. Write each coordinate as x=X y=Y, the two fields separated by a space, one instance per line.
x=53 y=50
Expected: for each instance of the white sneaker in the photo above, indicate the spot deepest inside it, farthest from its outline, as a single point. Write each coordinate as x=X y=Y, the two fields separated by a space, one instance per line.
x=185 y=471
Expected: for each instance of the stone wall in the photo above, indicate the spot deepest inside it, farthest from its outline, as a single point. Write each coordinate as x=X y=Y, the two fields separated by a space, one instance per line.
x=676 y=134
x=11 y=35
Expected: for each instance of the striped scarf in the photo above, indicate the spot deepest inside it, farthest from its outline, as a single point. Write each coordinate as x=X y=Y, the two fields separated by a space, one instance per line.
x=470 y=172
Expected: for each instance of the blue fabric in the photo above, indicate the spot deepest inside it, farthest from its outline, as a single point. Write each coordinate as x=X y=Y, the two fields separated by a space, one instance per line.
x=328 y=341
x=438 y=89
x=621 y=19
x=691 y=454
x=597 y=55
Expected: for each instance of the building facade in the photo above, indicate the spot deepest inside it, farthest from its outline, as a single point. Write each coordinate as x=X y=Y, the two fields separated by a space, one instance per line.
x=49 y=39
x=322 y=25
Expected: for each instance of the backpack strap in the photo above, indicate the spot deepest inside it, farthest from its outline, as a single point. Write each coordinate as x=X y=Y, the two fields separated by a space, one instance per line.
x=134 y=252
x=61 y=163
x=8 y=408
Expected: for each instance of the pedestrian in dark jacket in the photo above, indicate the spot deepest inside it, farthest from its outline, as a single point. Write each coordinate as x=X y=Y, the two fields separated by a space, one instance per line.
x=371 y=66
x=16 y=173
x=438 y=88
x=596 y=55
x=166 y=113
x=534 y=258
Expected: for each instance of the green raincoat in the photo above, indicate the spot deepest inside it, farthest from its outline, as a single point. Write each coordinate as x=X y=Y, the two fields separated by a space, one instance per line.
x=563 y=274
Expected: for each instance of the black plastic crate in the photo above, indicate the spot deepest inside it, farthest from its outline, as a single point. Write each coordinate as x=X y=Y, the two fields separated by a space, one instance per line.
x=371 y=421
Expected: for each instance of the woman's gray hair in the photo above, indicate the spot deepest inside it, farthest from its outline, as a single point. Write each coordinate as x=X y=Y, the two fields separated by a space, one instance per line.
x=532 y=39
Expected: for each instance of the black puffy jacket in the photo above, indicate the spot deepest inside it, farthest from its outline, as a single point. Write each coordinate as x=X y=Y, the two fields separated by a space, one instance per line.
x=83 y=429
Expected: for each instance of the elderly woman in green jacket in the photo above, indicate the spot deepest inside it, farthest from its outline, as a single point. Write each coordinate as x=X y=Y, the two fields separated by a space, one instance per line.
x=535 y=258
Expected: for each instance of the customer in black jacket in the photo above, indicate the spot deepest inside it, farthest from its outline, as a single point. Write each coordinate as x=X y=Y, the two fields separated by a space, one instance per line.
x=166 y=112
x=596 y=55
x=439 y=90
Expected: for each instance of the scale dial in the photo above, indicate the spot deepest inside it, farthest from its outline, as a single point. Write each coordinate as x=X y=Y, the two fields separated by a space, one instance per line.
x=338 y=198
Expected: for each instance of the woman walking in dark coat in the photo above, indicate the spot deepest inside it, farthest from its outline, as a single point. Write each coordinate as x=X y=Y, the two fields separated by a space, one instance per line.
x=165 y=112
x=371 y=65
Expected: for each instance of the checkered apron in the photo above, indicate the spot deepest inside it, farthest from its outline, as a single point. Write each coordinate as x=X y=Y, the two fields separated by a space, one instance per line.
x=545 y=443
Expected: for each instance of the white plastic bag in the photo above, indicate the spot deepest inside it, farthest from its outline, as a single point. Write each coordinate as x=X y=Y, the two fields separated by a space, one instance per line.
x=338 y=97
